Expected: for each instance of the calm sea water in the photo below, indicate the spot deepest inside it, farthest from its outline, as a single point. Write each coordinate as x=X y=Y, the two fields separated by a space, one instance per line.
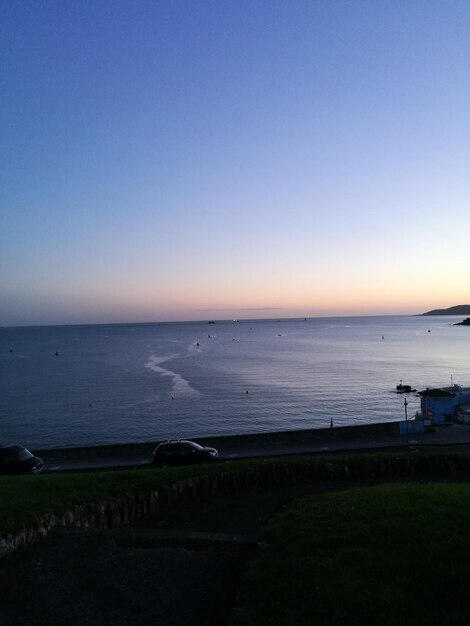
x=130 y=383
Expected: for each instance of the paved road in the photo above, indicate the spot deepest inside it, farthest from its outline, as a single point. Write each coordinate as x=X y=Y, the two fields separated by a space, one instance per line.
x=444 y=439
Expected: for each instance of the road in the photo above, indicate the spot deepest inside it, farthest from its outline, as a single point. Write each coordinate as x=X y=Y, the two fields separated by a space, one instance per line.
x=444 y=439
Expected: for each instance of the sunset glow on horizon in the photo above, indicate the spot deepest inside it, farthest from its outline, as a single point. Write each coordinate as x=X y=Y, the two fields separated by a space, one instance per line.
x=190 y=161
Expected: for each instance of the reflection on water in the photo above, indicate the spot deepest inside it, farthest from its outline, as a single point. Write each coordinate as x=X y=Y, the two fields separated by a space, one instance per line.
x=120 y=383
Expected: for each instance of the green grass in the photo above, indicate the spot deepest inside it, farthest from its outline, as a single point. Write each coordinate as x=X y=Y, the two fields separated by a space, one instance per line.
x=23 y=499
x=388 y=555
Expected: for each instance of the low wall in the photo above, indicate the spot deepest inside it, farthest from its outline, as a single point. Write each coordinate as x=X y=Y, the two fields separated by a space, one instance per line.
x=247 y=442
x=120 y=511
x=313 y=435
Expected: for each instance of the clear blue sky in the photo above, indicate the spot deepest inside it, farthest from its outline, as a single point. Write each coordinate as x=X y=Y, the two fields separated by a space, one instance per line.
x=203 y=160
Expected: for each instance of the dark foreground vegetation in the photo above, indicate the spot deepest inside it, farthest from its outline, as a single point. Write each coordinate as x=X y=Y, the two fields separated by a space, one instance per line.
x=24 y=499
x=388 y=554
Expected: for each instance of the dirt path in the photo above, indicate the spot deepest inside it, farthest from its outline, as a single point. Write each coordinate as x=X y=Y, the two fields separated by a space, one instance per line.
x=179 y=568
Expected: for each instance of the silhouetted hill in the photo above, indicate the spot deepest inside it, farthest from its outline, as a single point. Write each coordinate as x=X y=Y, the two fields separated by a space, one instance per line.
x=464 y=323
x=460 y=309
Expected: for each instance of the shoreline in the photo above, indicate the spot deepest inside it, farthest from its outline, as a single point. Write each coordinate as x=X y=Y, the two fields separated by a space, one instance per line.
x=366 y=438
x=248 y=442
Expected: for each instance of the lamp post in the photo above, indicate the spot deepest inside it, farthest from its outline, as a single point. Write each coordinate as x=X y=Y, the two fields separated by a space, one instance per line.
x=405 y=404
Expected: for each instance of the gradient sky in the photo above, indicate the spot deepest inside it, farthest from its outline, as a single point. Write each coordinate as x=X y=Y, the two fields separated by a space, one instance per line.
x=175 y=160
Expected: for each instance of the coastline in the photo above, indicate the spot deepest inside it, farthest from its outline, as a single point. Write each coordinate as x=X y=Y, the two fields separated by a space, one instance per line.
x=107 y=388
x=364 y=438
x=225 y=442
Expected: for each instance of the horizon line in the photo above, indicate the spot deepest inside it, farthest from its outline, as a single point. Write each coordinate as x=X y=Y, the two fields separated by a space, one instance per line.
x=215 y=321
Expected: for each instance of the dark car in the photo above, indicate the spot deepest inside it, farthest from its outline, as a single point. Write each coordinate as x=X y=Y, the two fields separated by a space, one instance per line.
x=182 y=452
x=15 y=459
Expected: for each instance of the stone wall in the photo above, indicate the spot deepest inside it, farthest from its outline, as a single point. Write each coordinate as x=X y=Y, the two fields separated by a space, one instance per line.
x=120 y=511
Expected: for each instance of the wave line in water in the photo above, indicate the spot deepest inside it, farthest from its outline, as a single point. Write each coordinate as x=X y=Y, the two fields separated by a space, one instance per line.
x=180 y=386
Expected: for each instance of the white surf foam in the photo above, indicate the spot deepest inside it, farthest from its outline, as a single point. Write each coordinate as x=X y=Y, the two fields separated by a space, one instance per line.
x=180 y=386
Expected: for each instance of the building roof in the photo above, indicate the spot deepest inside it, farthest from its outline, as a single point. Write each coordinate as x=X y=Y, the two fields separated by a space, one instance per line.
x=437 y=393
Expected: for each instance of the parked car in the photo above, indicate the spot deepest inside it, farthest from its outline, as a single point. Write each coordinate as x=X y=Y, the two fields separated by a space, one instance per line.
x=182 y=452
x=16 y=459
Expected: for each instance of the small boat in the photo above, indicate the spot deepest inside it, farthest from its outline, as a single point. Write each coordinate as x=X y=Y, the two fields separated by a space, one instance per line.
x=405 y=388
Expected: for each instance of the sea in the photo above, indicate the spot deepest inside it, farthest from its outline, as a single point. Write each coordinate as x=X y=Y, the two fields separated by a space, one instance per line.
x=66 y=386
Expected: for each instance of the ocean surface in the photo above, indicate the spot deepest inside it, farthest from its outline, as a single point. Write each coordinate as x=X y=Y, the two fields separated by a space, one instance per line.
x=143 y=382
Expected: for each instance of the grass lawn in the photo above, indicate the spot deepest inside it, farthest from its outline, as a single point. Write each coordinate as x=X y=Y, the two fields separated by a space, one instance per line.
x=386 y=555
x=23 y=499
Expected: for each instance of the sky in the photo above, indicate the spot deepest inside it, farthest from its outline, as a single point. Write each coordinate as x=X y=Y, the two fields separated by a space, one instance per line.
x=185 y=160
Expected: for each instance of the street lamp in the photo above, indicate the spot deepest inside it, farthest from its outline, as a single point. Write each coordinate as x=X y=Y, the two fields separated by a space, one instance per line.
x=406 y=419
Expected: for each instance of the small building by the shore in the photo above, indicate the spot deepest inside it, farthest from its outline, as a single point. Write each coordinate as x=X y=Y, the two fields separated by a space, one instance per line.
x=439 y=405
